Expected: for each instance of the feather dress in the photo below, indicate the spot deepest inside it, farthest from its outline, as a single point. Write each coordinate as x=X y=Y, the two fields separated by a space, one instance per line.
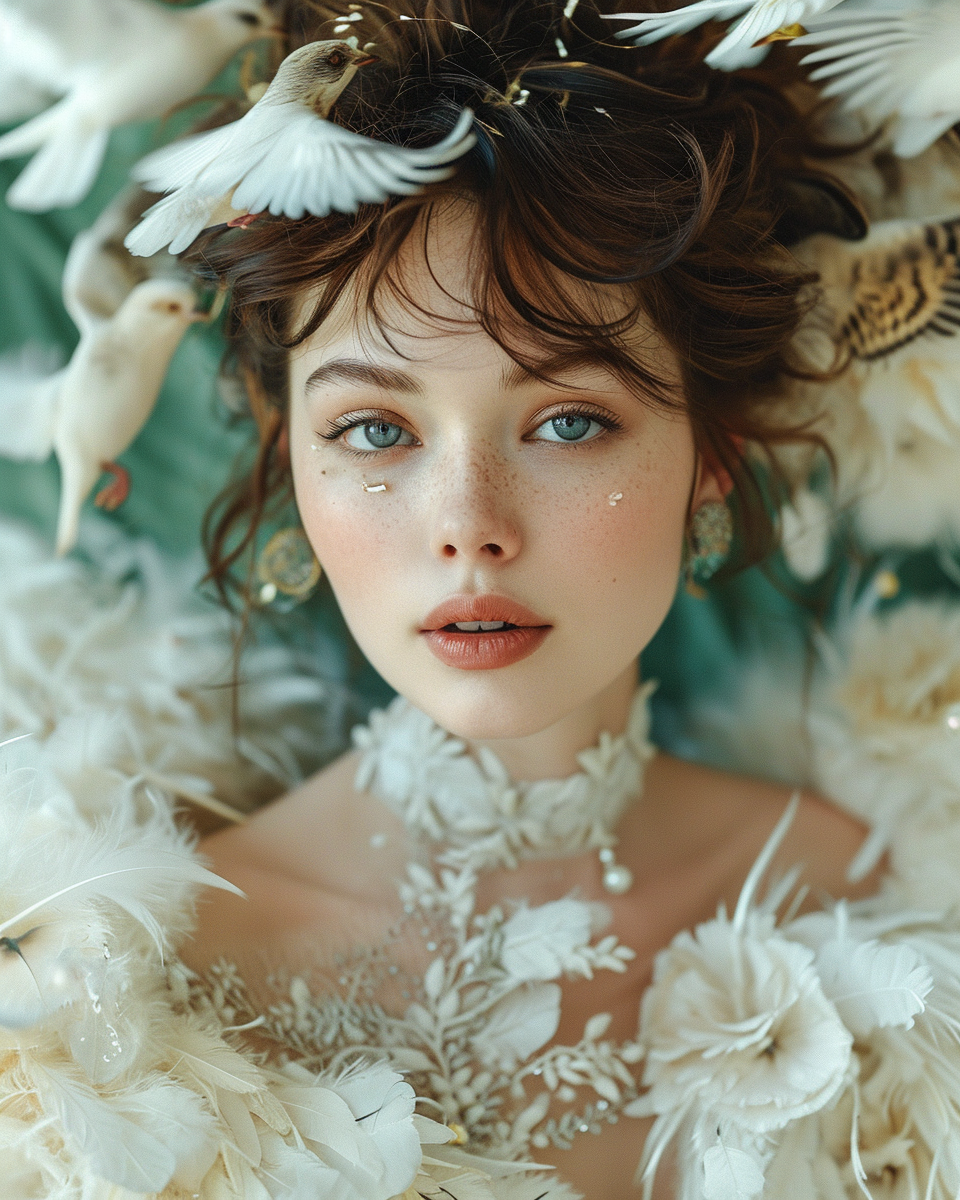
x=814 y=1056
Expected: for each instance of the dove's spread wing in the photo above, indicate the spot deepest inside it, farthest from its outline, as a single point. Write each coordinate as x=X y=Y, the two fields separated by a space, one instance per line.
x=906 y=287
x=29 y=389
x=314 y=166
x=905 y=63
x=654 y=26
x=284 y=159
x=182 y=163
x=98 y=276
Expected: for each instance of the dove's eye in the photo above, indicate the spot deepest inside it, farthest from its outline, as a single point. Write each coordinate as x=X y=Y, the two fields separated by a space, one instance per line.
x=337 y=59
x=250 y=19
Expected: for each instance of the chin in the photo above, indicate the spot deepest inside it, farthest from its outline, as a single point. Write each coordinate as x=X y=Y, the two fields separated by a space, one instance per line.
x=494 y=705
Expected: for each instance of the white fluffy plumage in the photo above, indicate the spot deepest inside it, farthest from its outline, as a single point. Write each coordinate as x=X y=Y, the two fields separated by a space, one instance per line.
x=112 y=61
x=886 y=736
x=285 y=158
x=121 y=673
x=757 y=20
x=895 y=62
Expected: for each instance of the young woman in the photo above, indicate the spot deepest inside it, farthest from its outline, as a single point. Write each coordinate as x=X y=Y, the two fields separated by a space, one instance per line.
x=502 y=403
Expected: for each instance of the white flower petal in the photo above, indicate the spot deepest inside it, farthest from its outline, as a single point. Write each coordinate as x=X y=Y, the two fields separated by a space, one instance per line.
x=730 y=1174
x=873 y=985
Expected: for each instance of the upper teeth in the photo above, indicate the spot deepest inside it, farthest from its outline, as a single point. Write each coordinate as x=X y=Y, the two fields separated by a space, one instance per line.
x=478 y=626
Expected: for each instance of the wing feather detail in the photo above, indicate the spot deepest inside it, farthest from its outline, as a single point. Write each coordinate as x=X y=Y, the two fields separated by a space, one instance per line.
x=902 y=291
x=285 y=160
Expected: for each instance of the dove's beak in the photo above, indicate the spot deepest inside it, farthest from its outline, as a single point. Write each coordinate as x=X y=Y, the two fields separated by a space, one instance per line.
x=366 y=60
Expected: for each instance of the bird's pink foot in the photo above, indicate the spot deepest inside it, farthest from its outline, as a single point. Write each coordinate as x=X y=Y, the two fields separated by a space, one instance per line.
x=115 y=492
x=243 y=222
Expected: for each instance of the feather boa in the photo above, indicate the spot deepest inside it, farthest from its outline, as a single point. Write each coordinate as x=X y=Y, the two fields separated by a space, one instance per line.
x=111 y=1086
x=122 y=673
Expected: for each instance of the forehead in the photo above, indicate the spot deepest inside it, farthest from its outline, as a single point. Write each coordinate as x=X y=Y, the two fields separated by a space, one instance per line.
x=439 y=303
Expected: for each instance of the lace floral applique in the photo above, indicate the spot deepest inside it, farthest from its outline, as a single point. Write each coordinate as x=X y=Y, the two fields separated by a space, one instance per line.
x=474 y=1030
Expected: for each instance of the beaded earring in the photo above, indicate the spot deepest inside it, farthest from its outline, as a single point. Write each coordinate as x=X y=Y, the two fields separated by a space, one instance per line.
x=287 y=569
x=710 y=536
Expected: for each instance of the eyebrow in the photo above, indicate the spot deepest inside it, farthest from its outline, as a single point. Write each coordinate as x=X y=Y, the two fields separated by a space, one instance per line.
x=355 y=370
x=392 y=379
x=517 y=375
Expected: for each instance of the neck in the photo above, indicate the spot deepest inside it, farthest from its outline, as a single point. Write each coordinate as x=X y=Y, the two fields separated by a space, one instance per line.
x=552 y=753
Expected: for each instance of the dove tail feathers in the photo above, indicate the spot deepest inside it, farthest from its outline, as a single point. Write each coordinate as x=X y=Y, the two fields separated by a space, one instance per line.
x=174 y=222
x=64 y=168
x=76 y=482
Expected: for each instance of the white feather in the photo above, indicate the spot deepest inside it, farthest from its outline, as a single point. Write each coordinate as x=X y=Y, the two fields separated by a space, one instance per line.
x=29 y=388
x=117 y=1148
x=112 y=61
x=899 y=62
x=758 y=19
x=50 y=876
x=874 y=986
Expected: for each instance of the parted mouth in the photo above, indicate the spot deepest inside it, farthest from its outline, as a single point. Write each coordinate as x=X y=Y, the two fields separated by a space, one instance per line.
x=488 y=613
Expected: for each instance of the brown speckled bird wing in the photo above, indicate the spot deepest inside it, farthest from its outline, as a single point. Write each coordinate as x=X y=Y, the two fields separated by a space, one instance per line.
x=902 y=290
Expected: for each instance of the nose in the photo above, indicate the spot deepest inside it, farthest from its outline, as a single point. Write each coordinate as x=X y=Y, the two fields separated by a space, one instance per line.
x=475 y=519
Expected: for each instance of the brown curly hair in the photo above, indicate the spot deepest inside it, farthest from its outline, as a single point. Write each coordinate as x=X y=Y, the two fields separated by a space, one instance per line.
x=637 y=170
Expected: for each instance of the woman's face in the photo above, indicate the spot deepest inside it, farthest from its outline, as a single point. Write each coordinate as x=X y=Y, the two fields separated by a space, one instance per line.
x=551 y=513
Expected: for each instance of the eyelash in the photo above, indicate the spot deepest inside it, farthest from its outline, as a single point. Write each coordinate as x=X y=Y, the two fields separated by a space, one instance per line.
x=337 y=428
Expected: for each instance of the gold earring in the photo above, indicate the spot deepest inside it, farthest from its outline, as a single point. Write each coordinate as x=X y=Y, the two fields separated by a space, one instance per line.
x=710 y=536
x=287 y=566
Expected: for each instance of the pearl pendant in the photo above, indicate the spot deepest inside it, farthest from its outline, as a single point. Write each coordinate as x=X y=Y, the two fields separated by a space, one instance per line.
x=617 y=879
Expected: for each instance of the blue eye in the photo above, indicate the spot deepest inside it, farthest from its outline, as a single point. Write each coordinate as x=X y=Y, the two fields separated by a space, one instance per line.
x=377 y=435
x=571 y=427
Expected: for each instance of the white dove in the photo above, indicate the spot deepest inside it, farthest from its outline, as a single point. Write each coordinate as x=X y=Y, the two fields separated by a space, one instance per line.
x=899 y=62
x=285 y=157
x=112 y=61
x=758 y=20
x=90 y=411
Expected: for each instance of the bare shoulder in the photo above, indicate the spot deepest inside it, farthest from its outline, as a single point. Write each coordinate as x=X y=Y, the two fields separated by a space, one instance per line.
x=312 y=884
x=725 y=819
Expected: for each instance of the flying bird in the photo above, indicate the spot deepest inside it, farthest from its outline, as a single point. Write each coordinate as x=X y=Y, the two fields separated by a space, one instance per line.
x=90 y=411
x=742 y=47
x=285 y=157
x=110 y=62
x=893 y=63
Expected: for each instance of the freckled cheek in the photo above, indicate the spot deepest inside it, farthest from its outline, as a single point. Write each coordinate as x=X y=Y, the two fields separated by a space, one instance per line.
x=632 y=548
x=361 y=541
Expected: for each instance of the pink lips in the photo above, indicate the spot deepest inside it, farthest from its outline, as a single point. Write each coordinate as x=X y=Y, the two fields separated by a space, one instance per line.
x=487 y=649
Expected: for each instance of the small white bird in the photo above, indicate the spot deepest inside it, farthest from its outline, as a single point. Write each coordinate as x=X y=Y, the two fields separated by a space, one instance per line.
x=89 y=412
x=759 y=19
x=284 y=157
x=112 y=62
x=892 y=62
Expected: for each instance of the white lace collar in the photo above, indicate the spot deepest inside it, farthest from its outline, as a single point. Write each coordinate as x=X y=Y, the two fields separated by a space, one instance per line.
x=468 y=803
